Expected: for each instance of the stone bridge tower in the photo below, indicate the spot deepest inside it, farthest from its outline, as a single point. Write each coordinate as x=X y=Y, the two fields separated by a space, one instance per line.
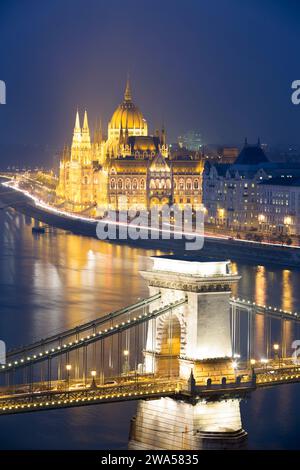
x=196 y=335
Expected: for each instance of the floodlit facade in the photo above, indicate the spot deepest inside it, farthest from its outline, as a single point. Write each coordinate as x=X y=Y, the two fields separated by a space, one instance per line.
x=253 y=193
x=279 y=203
x=129 y=168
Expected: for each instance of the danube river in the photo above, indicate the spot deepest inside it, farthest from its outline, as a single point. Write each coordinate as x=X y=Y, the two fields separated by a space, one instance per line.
x=53 y=281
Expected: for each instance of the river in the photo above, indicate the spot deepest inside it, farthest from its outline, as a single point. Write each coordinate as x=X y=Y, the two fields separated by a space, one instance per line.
x=54 y=281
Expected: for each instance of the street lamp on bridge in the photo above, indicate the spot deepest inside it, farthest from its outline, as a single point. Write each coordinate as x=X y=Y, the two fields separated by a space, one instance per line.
x=126 y=361
x=68 y=369
x=93 y=374
x=276 y=353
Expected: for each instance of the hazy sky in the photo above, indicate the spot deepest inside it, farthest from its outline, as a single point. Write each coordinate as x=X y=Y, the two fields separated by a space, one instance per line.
x=223 y=67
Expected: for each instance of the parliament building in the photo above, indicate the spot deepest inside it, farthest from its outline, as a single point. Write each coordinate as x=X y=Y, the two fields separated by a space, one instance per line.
x=127 y=169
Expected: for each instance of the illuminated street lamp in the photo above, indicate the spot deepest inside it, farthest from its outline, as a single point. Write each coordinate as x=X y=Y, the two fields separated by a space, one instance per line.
x=68 y=369
x=93 y=374
x=126 y=361
x=253 y=362
x=276 y=353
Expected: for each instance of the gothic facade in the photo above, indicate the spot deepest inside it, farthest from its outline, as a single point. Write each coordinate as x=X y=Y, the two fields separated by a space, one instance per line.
x=129 y=168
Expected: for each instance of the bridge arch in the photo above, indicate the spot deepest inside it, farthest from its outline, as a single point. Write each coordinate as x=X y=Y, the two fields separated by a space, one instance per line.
x=170 y=345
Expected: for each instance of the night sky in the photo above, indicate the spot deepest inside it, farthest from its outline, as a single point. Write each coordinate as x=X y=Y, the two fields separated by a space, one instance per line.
x=223 y=67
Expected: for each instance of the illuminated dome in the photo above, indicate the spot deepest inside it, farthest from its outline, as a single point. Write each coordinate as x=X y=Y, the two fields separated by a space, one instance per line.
x=127 y=116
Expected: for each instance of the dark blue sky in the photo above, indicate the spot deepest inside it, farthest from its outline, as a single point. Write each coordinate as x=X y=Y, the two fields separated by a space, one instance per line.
x=224 y=67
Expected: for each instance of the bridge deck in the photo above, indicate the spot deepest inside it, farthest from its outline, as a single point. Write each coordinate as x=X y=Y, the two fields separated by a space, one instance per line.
x=54 y=399
x=61 y=394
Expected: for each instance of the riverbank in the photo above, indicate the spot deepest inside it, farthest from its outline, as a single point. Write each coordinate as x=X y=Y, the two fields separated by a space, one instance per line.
x=214 y=247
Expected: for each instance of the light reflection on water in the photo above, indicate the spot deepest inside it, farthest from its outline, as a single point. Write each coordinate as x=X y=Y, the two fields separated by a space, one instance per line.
x=51 y=282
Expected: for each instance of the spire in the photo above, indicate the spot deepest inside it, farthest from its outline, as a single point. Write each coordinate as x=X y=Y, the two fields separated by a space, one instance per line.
x=77 y=132
x=96 y=134
x=100 y=131
x=85 y=122
x=77 y=122
x=127 y=94
x=163 y=135
x=246 y=142
x=98 y=137
x=86 y=140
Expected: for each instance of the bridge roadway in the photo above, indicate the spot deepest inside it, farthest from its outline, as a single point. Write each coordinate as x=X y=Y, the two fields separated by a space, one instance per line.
x=72 y=396
x=66 y=394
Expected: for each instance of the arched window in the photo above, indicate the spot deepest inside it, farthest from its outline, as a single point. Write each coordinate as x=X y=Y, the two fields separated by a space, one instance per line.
x=85 y=180
x=113 y=183
x=127 y=183
x=196 y=184
x=181 y=184
x=189 y=184
x=134 y=184
x=120 y=184
x=142 y=184
x=152 y=184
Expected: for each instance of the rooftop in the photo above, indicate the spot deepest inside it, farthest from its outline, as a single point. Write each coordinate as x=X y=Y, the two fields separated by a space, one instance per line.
x=192 y=266
x=251 y=155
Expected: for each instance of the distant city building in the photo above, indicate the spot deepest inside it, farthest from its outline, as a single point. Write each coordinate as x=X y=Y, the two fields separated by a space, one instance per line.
x=191 y=140
x=128 y=169
x=229 y=154
x=240 y=195
x=279 y=205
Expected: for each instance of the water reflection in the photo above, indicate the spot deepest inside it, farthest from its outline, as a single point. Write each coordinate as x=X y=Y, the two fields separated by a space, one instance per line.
x=50 y=282
x=168 y=424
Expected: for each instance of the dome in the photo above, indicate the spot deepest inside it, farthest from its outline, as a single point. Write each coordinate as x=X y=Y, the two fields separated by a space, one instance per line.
x=128 y=116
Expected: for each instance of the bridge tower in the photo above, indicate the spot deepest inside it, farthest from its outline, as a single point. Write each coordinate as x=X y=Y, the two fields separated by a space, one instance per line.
x=196 y=335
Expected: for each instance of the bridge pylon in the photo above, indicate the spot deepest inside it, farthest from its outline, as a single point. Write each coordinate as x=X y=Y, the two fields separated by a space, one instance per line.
x=195 y=336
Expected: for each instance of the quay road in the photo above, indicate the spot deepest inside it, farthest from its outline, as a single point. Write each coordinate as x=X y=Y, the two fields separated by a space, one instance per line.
x=215 y=246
